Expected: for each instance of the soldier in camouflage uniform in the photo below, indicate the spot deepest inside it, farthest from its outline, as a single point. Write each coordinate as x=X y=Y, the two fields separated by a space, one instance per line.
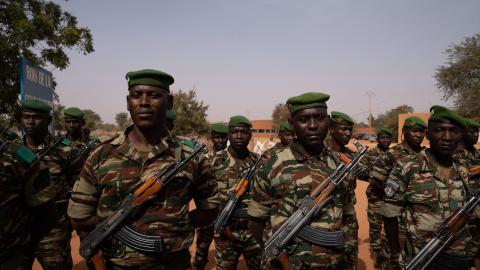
x=286 y=135
x=229 y=166
x=120 y=165
x=64 y=164
x=413 y=131
x=341 y=127
x=73 y=123
x=219 y=137
x=8 y=134
x=291 y=174
x=27 y=206
x=384 y=138
x=426 y=189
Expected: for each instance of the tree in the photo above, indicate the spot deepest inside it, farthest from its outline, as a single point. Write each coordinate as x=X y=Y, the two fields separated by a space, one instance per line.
x=92 y=119
x=58 y=117
x=279 y=115
x=459 y=78
x=392 y=117
x=192 y=116
x=39 y=31
x=121 y=119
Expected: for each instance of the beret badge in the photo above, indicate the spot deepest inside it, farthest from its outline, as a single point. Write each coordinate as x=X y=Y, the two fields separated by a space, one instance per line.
x=412 y=123
x=339 y=119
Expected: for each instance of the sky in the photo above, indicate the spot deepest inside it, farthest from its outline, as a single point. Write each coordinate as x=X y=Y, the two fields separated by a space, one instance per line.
x=244 y=57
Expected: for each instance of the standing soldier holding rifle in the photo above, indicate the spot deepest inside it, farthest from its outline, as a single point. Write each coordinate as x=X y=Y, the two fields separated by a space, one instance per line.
x=219 y=137
x=384 y=138
x=423 y=191
x=229 y=166
x=64 y=164
x=119 y=167
x=286 y=135
x=74 y=122
x=289 y=176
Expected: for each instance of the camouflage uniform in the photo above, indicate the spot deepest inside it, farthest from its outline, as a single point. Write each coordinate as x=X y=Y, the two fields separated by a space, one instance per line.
x=228 y=252
x=279 y=187
x=115 y=169
x=24 y=184
x=269 y=152
x=374 y=202
x=380 y=172
x=424 y=200
x=64 y=164
x=83 y=142
x=352 y=254
x=204 y=234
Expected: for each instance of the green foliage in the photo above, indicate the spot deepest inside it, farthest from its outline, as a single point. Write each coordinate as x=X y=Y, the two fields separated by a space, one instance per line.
x=121 y=119
x=39 y=31
x=459 y=78
x=279 y=115
x=391 y=117
x=92 y=119
x=192 y=116
x=58 y=117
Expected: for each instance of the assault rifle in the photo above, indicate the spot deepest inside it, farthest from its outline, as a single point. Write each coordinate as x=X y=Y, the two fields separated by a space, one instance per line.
x=86 y=149
x=114 y=227
x=236 y=197
x=4 y=130
x=47 y=149
x=444 y=237
x=3 y=146
x=296 y=226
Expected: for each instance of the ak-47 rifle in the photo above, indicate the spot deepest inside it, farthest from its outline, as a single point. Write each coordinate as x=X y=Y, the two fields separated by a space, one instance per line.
x=443 y=238
x=114 y=227
x=47 y=149
x=85 y=149
x=475 y=172
x=297 y=225
x=236 y=197
x=4 y=130
x=3 y=146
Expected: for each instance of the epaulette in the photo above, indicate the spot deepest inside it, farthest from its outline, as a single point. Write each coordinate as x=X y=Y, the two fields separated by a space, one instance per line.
x=66 y=142
x=23 y=152
x=95 y=138
x=187 y=142
x=10 y=132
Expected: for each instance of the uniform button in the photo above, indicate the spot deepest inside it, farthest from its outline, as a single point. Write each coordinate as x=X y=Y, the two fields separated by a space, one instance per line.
x=426 y=192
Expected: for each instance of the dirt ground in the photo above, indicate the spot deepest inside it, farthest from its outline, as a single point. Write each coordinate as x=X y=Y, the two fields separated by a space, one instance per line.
x=364 y=259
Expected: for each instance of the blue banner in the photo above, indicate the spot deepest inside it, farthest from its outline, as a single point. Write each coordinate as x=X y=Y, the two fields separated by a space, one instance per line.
x=36 y=83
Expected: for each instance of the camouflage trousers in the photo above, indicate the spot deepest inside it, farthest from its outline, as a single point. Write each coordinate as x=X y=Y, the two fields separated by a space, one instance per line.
x=374 y=219
x=204 y=239
x=54 y=251
x=351 y=253
x=169 y=261
x=228 y=253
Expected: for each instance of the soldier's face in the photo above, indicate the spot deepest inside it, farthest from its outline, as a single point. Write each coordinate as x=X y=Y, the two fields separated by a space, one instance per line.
x=443 y=137
x=310 y=126
x=384 y=141
x=470 y=135
x=35 y=124
x=219 y=140
x=341 y=134
x=74 y=125
x=239 y=137
x=413 y=136
x=286 y=137
x=148 y=106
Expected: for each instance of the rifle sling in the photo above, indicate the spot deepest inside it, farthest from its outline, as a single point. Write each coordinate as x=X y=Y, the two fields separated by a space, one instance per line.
x=322 y=238
x=140 y=242
x=455 y=261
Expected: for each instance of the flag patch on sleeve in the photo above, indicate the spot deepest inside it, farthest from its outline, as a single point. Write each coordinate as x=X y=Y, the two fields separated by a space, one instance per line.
x=391 y=188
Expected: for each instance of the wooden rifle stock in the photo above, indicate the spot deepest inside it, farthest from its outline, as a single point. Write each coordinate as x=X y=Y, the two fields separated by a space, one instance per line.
x=285 y=261
x=99 y=261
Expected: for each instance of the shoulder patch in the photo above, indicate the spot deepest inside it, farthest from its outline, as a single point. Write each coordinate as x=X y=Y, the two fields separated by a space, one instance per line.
x=26 y=154
x=9 y=132
x=95 y=138
x=66 y=142
x=188 y=143
x=391 y=187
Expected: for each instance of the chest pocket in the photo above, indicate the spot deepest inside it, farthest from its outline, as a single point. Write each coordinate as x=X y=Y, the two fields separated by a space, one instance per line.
x=424 y=195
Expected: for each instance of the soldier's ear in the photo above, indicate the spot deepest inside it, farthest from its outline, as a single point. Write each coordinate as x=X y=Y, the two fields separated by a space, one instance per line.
x=128 y=106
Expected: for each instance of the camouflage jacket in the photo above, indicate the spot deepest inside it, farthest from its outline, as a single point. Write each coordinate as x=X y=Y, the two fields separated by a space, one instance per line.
x=115 y=169
x=228 y=175
x=371 y=155
x=24 y=184
x=281 y=184
x=469 y=158
x=64 y=164
x=424 y=199
x=269 y=152
x=388 y=159
x=83 y=142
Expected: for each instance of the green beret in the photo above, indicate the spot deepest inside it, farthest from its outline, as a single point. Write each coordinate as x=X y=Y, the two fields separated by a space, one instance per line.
x=444 y=115
x=414 y=122
x=239 y=121
x=219 y=128
x=471 y=123
x=149 y=77
x=73 y=112
x=384 y=131
x=341 y=118
x=171 y=115
x=285 y=127
x=306 y=101
x=35 y=105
